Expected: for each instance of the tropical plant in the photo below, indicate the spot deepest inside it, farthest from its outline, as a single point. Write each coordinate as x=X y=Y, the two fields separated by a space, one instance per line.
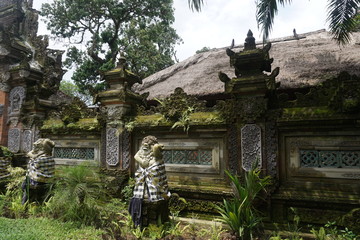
x=12 y=200
x=73 y=90
x=331 y=232
x=78 y=195
x=341 y=16
x=239 y=213
x=139 y=30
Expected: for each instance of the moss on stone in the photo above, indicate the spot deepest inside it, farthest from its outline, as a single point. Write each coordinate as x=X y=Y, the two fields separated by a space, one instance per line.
x=206 y=118
x=304 y=112
x=59 y=127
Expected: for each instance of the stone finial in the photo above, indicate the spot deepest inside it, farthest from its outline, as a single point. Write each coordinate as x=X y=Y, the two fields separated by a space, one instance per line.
x=121 y=63
x=249 y=41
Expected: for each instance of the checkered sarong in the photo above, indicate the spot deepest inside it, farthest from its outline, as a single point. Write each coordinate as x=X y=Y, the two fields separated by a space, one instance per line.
x=153 y=180
x=41 y=169
x=4 y=165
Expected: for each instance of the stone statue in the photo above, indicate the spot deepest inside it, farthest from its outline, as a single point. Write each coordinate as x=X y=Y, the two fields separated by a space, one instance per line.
x=40 y=170
x=151 y=187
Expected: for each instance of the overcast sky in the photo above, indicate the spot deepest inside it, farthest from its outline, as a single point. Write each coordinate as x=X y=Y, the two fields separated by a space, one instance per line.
x=223 y=20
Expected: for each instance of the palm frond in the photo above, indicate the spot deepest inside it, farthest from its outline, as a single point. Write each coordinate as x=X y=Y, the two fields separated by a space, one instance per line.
x=265 y=14
x=341 y=18
x=196 y=5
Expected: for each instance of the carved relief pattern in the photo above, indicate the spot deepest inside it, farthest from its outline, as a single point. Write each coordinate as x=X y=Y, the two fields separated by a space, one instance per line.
x=233 y=149
x=17 y=95
x=251 y=108
x=27 y=141
x=14 y=140
x=271 y=148
x=112 y=147
x=125 y=141
x=250 y=145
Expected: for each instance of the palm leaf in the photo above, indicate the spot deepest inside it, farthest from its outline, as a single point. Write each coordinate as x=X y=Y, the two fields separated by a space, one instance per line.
x=265 y=14
x=196 y=5
x=341 y=18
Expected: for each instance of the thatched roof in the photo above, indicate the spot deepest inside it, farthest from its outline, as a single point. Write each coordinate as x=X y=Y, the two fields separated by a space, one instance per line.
x=306 y=61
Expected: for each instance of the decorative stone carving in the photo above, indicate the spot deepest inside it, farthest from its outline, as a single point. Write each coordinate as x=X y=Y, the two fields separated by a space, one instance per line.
x=27 y=141
x=271 y=148
x=14 y=140
x=233 y=146
x=112 y=147
x=250 y=146
x=251 y=108
x=17 y=96
x=125 y=145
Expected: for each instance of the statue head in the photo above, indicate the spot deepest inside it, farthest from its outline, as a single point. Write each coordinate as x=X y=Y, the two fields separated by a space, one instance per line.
x=43 y=146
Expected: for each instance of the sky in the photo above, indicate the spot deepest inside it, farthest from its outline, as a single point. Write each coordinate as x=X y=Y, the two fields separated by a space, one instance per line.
x=220 y=21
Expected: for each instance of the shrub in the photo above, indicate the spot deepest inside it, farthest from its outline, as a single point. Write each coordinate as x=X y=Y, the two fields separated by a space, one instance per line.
x=240 y=213
x=78 y=195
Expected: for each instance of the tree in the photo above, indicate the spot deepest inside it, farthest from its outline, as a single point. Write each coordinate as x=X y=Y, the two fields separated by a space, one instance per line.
x=341 y=16
x=72 y=90
x=139 y=30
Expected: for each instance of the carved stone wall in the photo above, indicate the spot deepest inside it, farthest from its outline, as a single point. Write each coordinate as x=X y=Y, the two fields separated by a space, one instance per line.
x=250 y=146
x=14 y=140
x=27 y=141
x=271 y=148
x=233 y=149
x=112 y=147
x=125 y=152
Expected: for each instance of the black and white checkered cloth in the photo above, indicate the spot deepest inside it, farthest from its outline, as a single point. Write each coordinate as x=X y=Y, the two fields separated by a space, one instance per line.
x=5 y=163
x=152 y=180
x=41 y=169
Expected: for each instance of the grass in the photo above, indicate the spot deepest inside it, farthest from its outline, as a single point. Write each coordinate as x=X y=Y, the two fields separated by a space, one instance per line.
x=45 y=229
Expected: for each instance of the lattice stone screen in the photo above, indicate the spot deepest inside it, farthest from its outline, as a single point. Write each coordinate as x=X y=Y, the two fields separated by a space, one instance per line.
x=329 y=159
x=75 y=153
x=196 y=157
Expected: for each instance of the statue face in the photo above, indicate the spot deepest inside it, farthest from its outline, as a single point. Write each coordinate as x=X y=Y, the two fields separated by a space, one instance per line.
x=38 y=145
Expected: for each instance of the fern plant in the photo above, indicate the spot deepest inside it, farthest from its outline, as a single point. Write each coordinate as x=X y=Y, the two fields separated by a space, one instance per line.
x=239 y=213
x=78 y=195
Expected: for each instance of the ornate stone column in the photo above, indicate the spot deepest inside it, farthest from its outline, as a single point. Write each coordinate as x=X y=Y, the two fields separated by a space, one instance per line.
x=118 y=103
x=29 y=74
x=250 y=90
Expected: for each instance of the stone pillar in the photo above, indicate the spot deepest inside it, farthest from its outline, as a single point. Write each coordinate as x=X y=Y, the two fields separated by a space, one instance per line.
x=3 y=117
x=250 y=90
x=118 y=103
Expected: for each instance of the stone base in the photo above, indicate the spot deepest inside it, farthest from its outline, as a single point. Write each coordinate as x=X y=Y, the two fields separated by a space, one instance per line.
x=155 y=212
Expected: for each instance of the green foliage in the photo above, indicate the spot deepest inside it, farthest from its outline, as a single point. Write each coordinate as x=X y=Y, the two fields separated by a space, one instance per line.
x=73 y=90
x=45 y=229
x=78 y=195
x=5 y=152
x=240 y=213
x=127 y=191
x=140 y=30
x=11 y=203
x=331 y=232
x=204 y=49
x=340 y=17
x=178 y=105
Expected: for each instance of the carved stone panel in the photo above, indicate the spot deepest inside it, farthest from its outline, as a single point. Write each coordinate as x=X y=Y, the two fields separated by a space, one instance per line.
x=14 y=140
x=251 y=108
x=233 y=146
x=27 y=141
x=112 y=147
x=17 y=95
x=250 y=146
x=271 y=148
x=125 y=146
